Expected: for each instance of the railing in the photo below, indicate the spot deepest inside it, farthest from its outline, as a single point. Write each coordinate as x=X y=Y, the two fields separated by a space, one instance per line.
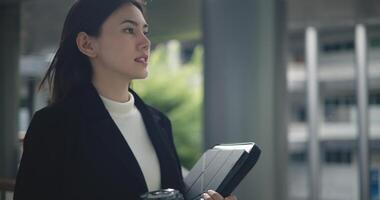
x=6 y=186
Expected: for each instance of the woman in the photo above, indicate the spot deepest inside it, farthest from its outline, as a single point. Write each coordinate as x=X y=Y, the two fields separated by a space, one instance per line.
x=97 y=139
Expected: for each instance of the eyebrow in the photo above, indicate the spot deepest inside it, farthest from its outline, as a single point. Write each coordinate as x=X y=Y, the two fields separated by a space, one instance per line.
x=134 y=23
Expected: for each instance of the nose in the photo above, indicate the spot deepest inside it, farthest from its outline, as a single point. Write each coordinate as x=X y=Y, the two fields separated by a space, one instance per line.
x=145 y=42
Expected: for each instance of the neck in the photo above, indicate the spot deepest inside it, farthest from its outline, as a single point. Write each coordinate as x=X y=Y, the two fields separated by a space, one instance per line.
x=112 y=88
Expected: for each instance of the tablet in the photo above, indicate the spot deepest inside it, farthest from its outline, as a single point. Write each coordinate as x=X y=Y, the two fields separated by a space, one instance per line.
x=221 y=168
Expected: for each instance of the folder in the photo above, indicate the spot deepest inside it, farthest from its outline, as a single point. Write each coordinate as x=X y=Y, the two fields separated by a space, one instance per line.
x=221 y=168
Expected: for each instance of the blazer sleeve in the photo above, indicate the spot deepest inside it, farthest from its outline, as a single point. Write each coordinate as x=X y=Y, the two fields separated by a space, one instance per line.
x=39 y=173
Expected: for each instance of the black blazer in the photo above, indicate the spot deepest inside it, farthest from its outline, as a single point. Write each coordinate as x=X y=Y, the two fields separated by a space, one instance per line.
x=73 y=150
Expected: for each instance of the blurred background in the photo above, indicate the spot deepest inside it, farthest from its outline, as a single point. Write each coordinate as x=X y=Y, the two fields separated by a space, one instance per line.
x=285 y=74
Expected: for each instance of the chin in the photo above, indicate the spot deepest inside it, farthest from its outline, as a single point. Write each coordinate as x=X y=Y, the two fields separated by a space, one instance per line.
x=142 y=76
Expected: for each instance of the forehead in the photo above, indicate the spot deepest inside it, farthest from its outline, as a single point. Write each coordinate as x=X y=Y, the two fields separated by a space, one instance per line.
x=128 y=11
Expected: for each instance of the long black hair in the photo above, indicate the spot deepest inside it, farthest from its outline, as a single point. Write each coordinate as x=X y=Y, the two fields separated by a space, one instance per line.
x=70 y=67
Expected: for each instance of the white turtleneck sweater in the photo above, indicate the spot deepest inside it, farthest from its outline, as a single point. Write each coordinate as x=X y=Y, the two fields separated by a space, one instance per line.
x=130 y=123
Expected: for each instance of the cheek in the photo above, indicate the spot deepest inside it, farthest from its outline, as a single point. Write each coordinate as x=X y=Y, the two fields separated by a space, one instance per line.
x=116 y=52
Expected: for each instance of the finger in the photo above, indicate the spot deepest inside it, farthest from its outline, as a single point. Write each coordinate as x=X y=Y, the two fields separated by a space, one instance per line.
x=231 y=198
x=205 y=196
x=214 y=195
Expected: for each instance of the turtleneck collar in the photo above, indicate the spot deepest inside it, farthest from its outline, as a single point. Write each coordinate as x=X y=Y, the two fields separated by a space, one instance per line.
x=119 y=108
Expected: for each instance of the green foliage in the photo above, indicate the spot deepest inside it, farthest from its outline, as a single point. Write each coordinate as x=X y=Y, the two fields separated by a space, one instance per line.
x=178 y=92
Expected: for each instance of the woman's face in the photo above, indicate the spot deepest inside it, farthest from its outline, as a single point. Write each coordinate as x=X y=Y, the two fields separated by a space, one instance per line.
x=122 y=48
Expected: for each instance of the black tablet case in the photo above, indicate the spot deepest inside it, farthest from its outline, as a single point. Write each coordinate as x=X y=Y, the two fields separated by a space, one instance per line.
x=220 y=170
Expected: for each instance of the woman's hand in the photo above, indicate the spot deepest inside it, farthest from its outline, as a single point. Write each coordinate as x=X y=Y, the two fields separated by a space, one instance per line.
x=212 y=195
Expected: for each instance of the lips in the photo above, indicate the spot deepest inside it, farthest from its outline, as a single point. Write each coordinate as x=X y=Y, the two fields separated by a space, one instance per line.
x=142 y=59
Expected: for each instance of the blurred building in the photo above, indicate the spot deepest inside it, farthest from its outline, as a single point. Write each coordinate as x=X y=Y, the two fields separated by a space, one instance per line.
x=338 y=114
x=338 y=132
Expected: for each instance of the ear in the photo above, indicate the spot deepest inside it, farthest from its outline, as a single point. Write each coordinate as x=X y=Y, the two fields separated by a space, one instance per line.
x=86 y=44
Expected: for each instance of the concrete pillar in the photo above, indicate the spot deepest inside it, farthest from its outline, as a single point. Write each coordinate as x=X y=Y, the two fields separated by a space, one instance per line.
x=245 y=87
x=9 y=88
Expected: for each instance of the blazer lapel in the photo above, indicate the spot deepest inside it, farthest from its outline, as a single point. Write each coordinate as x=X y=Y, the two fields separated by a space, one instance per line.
x=102 y=127
x=161 y=143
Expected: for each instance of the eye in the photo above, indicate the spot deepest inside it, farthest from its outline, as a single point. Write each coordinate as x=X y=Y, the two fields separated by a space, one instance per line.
x=129 y=30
